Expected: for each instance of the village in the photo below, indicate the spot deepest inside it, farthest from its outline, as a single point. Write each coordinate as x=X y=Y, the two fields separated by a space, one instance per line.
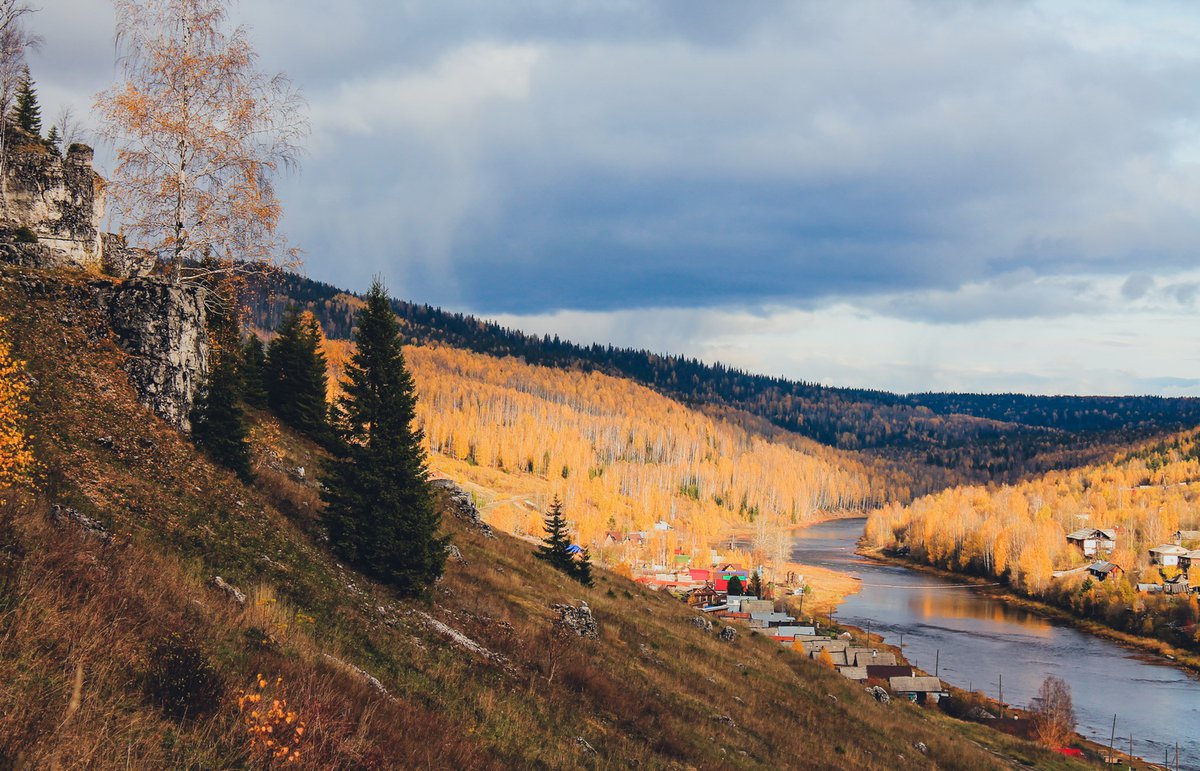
x=1170 y=564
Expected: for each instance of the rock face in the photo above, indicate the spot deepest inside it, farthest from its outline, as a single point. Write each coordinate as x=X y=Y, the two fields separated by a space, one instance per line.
x=59 y=198
x=162 y=328
x=458 y=502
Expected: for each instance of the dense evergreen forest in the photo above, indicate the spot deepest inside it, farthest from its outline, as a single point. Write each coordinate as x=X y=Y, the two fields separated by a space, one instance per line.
x=957 y=437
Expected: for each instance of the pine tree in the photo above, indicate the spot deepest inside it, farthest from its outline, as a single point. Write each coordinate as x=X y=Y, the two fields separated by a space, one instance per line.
x=53 y=139
x=254 y=372
x=755 y=587
x=218 y=422
x=26 y=112
x=380 y=512
x=734 y=586
x=296 y=374
x=555 y=547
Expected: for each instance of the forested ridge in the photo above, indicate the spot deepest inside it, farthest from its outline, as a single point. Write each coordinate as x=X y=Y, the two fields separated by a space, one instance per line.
x=945 y=438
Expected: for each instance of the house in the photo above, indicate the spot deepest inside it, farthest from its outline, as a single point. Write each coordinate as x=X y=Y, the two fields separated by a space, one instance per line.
x=1167 y=554
x=863 y=656
x=705 y=596
x=735 y=601
x=756 y=605
x=919 y=689
x=762 y=619
x=794 y=631
x=887 y=671
x=699 y=574
x=1093 y=539
x=662 y=526
x=1186 y=535
x=1150 y=588
x=612 y=537
x=1186 y=561
x=1102 y=569
x=722 y=577
x=857 y=674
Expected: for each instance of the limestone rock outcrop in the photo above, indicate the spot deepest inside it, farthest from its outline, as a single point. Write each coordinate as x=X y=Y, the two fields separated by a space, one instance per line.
x=161 y=326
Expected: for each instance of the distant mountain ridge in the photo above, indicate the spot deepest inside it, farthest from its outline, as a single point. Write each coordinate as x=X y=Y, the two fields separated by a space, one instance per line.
x=956 y=437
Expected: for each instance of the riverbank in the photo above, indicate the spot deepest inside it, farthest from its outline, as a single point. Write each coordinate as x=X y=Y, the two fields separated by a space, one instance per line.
x=1007 y=720
x=1162 y=652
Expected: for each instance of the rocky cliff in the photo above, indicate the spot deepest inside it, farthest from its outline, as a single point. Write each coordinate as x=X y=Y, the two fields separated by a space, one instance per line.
x=53 y=206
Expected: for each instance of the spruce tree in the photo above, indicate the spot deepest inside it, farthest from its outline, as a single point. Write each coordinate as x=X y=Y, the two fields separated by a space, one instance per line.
x=734 y=586
x=380 y=512
x=254 y=372
x=296 y=375
x=26 y=112
x=555 y=547
x=755 y=587
x=53 y=139
x=218 y=422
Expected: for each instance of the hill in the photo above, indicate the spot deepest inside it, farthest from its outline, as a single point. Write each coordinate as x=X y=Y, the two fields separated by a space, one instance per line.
x=118 y=647
x=941 y=438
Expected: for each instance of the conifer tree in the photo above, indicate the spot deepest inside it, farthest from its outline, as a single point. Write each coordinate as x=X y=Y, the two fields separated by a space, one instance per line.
x=380 y=512
x=734 y=586
x=555 y=547
x=218 y=422
x=296 y=374
x=254 y=372
x=53 y=139
x=755 y=587
x=26 y=112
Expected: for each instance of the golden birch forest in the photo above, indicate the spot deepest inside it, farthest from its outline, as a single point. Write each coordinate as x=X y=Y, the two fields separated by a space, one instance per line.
x=621 y=456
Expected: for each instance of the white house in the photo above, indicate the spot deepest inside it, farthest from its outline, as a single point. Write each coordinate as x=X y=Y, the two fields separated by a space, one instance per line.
x=1093 y=539
x=1167 y=555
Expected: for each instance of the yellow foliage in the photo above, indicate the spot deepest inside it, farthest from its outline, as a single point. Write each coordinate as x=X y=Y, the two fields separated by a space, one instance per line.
x=825 y=659
x=618 y=453
x=276 y=731
x=16 y=458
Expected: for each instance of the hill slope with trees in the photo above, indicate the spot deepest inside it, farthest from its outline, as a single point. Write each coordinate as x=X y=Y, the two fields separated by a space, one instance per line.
x=942 y=438
x=120 y=648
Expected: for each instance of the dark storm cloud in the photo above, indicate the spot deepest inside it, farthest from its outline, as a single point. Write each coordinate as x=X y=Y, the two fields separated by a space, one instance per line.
x=530 y=156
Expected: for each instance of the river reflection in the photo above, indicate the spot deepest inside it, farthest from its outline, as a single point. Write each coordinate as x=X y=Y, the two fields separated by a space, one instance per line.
x=973 y=641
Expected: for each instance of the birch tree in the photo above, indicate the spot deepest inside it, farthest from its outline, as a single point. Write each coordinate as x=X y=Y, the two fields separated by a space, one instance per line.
x=200 y=134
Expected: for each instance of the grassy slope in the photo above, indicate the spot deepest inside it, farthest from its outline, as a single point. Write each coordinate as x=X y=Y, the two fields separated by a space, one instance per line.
x=79 y=620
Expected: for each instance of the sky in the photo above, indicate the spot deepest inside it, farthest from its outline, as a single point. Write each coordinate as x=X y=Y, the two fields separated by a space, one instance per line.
x=968 y=195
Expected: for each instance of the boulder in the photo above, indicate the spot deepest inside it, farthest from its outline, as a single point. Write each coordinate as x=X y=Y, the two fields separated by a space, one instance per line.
x=578 y=620
x=727 y=634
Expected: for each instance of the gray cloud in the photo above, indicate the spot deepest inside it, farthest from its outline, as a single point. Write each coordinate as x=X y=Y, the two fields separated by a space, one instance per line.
x=909 y=156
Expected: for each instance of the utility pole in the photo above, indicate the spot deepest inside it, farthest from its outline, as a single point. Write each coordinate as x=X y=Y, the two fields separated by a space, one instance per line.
x=1001 y=695
x=937 y=662
x=1112 y=739
x=1131 y=749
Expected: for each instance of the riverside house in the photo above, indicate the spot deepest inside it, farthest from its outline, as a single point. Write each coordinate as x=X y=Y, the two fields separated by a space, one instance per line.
x=1093 y=539
x=1167 y=554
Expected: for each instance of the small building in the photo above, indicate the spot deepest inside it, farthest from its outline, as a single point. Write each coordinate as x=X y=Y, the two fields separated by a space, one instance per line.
x=922 y=690
x=857 y=674
x=1102 y=569
x=762 y=620
x=1093 y=539
x=699 y=574
x=663 y=526
x=705 y=596
x=756 y=605
x=863 y=656
x=1186 y=561
x=886 y=672
x=795 y=631
x=612 y=538
x=1167 y=554
x=1149 y=588
x=1186 y=536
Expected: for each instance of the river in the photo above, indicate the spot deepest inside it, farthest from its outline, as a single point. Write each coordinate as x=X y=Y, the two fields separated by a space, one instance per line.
x=974 y=640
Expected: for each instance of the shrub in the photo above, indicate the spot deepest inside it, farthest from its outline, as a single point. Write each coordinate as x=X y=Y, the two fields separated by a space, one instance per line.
x=181 y=679
x=275 y=729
